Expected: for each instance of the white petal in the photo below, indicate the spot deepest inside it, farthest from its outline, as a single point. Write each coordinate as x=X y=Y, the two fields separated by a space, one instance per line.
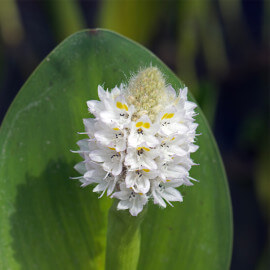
x=101 y=137
x=98 y=155
x=179 y=151
x=149 y=163
x=80 y=167
x=95 y=107
x=130 y=177
x=137 y=207
x=134 y=139
x=172 y=194
x=190 y=105
x=89 y=174
x=183 y=93
x=101 y=187
x=117 y=169
x=142 y=185
x=151 y=140
x=171 y=92
x=107 y=117
x=101 y=93
x=85 y=182
x=193 y=148
x=122 y=205
x=83 y=144
x=121 y=146
x=121 y=195
x=89 y=124
x=111 y=187
x=158 y=199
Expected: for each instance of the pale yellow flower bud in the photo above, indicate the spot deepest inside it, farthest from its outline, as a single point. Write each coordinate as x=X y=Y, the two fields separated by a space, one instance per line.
x=147 y=91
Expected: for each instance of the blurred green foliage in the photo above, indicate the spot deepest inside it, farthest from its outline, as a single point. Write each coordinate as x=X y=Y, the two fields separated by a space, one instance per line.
x=65 y=16
x=137 y=19
x=11 y=26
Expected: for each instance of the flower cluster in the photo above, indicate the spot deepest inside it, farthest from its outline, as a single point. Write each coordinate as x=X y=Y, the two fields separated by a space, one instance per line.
x=139 y=142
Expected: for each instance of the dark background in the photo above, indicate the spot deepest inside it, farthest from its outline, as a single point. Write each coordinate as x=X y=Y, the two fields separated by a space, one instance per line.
x=220 y=49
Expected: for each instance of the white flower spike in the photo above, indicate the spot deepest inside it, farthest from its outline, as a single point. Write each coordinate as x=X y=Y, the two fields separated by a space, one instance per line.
x=139 y=143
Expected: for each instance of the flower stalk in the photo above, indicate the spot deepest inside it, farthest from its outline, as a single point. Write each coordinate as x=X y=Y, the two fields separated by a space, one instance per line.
x=123 y=239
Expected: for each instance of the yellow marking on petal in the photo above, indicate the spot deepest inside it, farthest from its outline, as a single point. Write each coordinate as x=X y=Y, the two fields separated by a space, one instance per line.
x=119 y=105
x=111 y=148
x=141 y=193
x=170 y=115
x=116 y=129
x=146 y=125
x=146 y=170
x=173 y=138
x=139 y=124
x=144 y=148
x=125 y=107
x=164 y=116
x=130 y=188
x=168 y=180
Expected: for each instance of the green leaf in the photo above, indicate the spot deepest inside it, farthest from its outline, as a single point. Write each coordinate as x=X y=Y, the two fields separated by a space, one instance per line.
x=47 y=221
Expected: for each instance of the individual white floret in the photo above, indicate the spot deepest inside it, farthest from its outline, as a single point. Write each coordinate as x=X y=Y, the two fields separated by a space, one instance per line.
x=141 y=157
x=112 y=137
x=110 y=159
x=130 y=200
x=117 y=113
x=143 y=132
x=173 y=146
x=139 y=180
x=162 y=191
x=172 y=121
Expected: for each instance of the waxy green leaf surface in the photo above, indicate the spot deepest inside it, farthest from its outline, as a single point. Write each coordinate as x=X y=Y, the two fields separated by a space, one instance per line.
x=47 y=221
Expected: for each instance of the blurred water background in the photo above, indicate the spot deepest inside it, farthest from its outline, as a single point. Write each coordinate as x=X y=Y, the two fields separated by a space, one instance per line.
x=220 y=49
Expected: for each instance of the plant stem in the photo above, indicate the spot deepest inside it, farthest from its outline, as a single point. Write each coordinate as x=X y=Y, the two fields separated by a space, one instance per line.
x=123 y=239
